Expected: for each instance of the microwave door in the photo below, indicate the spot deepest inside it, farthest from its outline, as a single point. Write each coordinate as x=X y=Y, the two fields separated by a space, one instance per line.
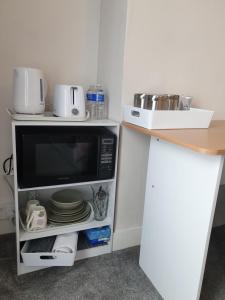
x=51 y=159
x=66 y=159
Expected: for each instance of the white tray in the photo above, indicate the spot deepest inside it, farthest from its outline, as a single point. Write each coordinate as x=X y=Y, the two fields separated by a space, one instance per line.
x=164 y=119
x=46 y=116
x=47 y=259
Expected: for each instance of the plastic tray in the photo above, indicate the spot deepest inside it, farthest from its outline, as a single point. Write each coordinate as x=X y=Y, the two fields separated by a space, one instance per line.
x=167 y=119
x=47 y=259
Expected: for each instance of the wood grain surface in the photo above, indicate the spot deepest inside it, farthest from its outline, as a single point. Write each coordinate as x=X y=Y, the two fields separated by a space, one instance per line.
x=207 y=141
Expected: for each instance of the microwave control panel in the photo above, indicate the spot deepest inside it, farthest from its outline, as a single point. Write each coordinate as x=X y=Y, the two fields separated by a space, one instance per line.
x=107 y=155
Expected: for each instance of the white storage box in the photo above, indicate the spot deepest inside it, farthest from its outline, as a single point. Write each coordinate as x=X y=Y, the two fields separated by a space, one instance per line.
x=167 y=119
x=47 y=259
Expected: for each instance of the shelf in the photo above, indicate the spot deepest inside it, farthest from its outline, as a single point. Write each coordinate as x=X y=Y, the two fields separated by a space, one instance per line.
x=34 y=122
x=81 y=254
x=94 y=251
x=45 y=193
x=83 y=243
x=65 y=185
x=25 y=236
x=25 y=269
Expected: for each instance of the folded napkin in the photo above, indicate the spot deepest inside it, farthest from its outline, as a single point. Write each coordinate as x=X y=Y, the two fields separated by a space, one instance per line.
x=66 y=243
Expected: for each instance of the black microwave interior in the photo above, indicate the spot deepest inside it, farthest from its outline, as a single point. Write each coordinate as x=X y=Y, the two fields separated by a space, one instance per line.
x=52 y=155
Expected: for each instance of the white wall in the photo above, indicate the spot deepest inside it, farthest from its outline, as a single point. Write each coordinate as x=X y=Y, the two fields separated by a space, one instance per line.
x=132 y=161
x=170 y=47
x=111 y=52
x=177 y=47
x=60 y=37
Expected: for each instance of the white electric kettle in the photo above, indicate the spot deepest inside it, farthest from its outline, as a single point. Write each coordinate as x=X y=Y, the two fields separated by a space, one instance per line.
x=29 y=91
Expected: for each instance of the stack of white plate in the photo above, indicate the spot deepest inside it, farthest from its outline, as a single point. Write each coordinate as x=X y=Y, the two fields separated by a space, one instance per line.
x=66 y=207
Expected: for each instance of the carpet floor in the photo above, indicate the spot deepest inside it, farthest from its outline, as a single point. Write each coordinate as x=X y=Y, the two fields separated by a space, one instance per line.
x=115 y=276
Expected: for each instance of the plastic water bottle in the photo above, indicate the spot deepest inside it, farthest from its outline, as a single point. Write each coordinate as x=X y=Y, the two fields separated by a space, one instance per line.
x=100 y=102
x=96 y=102
x=91 y=102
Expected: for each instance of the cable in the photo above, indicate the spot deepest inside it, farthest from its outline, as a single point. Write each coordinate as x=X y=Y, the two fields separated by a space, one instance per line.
x=12 y=217
x=8 y=161
x=9 y=185
x=7 y=167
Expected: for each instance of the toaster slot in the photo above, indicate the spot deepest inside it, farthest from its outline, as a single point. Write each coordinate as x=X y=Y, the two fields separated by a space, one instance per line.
x=74 y=89
x=41 y=90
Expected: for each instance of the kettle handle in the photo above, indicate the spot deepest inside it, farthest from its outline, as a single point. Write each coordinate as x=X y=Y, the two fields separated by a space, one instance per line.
x=30 y=219
x=43 y=89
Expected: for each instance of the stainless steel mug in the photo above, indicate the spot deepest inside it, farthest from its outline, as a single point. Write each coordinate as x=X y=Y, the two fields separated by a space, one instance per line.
x=157 y=102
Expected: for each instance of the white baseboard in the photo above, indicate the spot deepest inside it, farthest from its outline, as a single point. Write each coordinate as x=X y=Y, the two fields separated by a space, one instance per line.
x=126 y=238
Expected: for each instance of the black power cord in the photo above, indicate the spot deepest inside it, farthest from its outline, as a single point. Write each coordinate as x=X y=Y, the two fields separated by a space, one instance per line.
x=7 y=165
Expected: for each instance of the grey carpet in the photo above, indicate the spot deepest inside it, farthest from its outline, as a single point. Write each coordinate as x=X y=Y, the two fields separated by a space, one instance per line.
x=112 y=276
x=213 y=287
x=107 y=277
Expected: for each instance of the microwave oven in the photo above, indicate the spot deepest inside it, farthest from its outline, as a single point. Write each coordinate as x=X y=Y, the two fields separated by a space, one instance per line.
x=56 y=155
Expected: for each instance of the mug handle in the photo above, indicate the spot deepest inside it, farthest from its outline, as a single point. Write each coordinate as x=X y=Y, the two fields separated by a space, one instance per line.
x=87 y=116
x=45 y=87
x=29 y=212
x=29 y=221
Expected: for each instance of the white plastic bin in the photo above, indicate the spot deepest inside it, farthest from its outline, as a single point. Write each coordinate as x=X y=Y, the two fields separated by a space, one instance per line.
x=167 y=119
x=48 y=259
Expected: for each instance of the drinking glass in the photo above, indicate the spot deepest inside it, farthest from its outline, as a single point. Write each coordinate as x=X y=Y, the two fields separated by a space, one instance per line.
x=100 y=203
x=185 y=102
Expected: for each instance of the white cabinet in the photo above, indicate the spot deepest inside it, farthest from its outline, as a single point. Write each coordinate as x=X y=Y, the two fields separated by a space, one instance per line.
x=21 y=196
x=181 y=194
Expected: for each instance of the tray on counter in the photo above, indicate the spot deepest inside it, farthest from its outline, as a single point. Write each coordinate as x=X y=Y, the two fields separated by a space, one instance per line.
x=46 y=116
x=167 y=119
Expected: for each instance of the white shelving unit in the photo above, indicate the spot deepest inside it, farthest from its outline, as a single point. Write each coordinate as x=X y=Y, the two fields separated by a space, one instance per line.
x=21 y=196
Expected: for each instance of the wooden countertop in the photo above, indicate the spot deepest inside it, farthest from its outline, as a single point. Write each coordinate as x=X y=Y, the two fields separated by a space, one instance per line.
x=207 y=141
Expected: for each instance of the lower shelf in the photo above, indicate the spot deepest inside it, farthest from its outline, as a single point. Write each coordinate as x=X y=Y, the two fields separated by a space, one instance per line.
x=94 y=251
x=25 y=236
x=81 y=254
